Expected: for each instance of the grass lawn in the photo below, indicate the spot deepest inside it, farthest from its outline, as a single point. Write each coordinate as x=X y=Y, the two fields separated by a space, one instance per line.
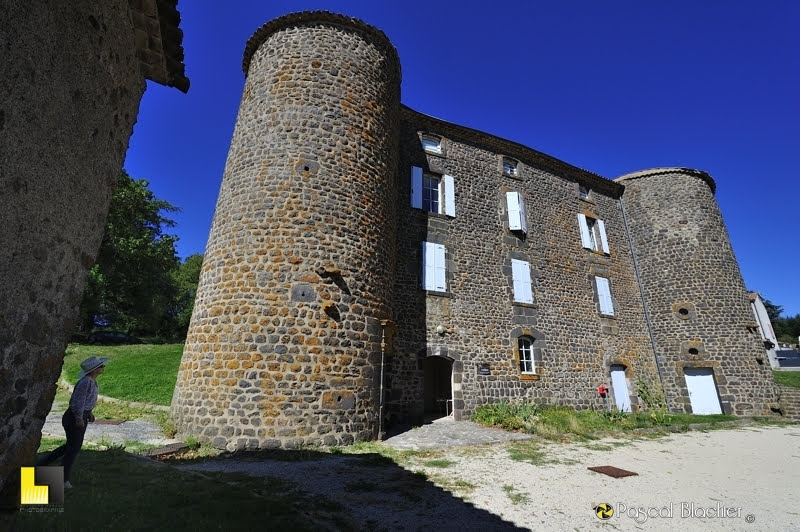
x=145 y=373
x=116 y=491
x=787 y=378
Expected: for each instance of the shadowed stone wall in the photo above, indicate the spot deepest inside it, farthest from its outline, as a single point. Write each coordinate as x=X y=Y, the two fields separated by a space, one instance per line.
x=70 y=86
x=299 y=267
x=695 y=294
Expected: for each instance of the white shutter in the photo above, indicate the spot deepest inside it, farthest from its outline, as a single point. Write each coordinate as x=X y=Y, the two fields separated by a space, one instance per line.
x=449 y=195
x=603 y=242
x=522 y=214
x=521 y=273
x=586 y=238
x=512 y=200
x=416 y=187
x=433 y=267
x=604 y=295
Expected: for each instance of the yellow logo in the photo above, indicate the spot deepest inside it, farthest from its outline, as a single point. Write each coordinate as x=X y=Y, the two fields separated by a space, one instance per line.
x=604 y=511
x=49 y=491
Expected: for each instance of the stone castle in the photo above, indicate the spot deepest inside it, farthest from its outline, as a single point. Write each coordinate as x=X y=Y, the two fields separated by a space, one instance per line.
x=370 y=266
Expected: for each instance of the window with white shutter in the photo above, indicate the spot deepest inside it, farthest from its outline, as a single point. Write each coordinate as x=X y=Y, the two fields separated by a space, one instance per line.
x=521 y=274
x=449 y=195
x=433 y=267
x=432 y=192
x=416 y=187
x=516 y=212
x=593 y=233
x=604 y=296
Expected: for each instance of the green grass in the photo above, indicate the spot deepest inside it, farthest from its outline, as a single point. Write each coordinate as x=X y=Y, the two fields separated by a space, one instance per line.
x=145 y=373
x=558 y=423
x=115 y=491
x=515 y=496
x=787 y=378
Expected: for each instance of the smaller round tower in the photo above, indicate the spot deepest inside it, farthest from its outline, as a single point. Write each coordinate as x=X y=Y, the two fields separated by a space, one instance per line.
x=709 y=354
x=298 y=273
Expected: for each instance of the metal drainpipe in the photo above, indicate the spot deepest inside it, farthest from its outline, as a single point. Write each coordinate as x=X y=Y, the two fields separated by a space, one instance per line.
x=380 y=400
x=644 y=302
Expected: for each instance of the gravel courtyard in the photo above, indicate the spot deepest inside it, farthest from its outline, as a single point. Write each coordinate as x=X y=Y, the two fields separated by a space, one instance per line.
x=746 y=478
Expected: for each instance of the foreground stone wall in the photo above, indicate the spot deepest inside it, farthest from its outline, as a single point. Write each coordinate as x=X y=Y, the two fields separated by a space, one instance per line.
x=71 y=87
x=299 y=267
x=481 y=320
x=695 y=294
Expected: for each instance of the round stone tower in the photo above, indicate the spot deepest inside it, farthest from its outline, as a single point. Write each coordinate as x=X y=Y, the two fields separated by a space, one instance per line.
x=698 y=308
x=284 y=345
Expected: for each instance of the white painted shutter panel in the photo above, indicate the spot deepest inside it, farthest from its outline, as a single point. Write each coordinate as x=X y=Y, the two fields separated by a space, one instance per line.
x=521 y=273
x=603 y=242
x=522 y=214
x=433 y=267
x=441 y=270
x=416 y=187
x=512 y=200
x=449 y=195
x=586 y=238
x=604 y=295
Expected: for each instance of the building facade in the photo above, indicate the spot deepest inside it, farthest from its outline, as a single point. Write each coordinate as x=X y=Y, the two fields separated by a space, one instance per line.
x=369 y=265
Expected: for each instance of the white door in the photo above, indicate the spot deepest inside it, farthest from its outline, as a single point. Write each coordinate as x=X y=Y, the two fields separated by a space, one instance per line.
x=702 y=391
x=620 y=385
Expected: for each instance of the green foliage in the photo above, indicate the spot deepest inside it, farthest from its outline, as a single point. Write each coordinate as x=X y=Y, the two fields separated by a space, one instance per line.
x=786 y=328
x=787 y=378
x=130 y=287
x=145 y=373
x=652 y=396
x=773 y=311
x=510 y=416
x=185 y=279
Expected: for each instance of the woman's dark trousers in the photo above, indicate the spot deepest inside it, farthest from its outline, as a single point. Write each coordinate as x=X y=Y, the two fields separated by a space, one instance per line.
x=74 y=442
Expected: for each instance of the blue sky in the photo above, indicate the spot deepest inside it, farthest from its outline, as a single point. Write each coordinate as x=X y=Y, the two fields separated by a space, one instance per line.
x=611 y=87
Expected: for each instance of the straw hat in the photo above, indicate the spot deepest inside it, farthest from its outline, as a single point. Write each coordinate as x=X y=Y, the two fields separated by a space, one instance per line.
x=91 y=364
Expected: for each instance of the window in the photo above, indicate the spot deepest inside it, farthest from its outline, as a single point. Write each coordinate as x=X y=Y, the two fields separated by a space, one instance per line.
x=583 y=192
x=516 y=212
x=593 y=233
x=604 y=296
x=521 y=273
x=509 y=167
x=432 y=144
x=433 y=193
x=526 y=359
x=433 y=267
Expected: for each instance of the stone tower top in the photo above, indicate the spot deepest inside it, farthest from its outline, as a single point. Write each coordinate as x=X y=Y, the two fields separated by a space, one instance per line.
x=306 y=18
x=670 y=170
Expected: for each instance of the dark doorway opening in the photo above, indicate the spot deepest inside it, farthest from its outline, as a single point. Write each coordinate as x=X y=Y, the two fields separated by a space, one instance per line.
x=438 y=387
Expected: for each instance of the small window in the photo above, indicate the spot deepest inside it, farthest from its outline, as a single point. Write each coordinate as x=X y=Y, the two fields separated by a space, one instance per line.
x=516 y=212
x=509 y=167
x=583 y=192
x=433 y=267
x=593 y=233
x=432 y=144
x=521 y=273
x=527 y=364
x=432 y=192
x=604 y=296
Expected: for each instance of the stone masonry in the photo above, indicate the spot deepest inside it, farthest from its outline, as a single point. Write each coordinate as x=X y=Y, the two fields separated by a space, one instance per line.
x=311 y=324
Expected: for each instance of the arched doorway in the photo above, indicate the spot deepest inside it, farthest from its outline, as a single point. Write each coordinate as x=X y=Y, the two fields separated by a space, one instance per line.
x=438 y=387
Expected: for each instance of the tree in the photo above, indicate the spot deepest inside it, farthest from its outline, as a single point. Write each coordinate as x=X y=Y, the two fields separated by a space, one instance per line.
x=773 y=311
x=130 y=287
x=185 y=279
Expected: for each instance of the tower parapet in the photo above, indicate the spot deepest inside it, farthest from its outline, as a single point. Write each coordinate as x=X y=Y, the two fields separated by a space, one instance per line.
x=298 y=272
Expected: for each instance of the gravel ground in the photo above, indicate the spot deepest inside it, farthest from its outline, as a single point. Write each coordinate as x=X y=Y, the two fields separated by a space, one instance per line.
x=750 y=475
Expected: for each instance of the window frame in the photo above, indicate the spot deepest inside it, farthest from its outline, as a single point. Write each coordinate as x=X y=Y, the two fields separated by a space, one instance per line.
x=529 y=360
x=513 y=164
x=428 y=204
x=447 y=191
x=431 y=144
x=593 y=233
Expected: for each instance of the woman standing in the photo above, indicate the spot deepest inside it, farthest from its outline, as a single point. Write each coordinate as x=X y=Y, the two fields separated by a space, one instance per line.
x=79 y=413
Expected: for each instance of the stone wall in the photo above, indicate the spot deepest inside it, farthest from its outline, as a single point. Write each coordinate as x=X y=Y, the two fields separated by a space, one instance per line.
x=481 y=320
x=695 y=294
x=71 y=87
x=299 y=268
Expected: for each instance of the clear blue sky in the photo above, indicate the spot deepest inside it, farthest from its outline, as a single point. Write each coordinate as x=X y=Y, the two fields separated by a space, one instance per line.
x=612 y=87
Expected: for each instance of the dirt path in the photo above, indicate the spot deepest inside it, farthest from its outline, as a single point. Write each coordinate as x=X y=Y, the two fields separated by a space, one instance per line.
x=743 y=474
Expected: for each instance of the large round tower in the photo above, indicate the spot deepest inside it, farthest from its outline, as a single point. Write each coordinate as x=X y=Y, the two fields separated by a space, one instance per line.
x=709 y=353
x=285 y=339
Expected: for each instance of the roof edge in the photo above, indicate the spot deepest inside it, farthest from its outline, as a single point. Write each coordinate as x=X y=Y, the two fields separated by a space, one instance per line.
x=705 y=176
